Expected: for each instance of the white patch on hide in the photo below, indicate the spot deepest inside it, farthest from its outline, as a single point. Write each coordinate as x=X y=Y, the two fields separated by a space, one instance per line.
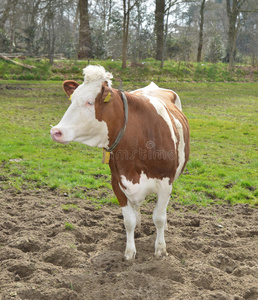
x=181 y=144
x=136 y=194
x=162 y=111
x=181 y=147
x=152 y=86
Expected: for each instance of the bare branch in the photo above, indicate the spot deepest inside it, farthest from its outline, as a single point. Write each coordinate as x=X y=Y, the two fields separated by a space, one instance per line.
x=17 y=63
x=131 y=7
x=170 y=4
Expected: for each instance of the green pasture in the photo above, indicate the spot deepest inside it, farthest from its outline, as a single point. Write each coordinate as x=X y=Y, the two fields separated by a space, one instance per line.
x=223 y=160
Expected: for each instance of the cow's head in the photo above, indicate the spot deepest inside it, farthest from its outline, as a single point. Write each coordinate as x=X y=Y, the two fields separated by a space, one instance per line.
x=81 y=123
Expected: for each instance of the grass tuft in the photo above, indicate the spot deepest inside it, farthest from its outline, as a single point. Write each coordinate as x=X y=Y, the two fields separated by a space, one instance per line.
x=69 y=226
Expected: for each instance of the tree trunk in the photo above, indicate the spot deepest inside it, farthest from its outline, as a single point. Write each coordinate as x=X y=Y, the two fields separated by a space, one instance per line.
x=159 y=27
x=233 y=14
x=125 y=35
x=30 y=31
x=109 y=14
x=50 y=16
x=165 y=41
x=199 y=51
x=84 y=31
x=137 y=49
x=232 y=32
x=51 y=48
x=127 y=8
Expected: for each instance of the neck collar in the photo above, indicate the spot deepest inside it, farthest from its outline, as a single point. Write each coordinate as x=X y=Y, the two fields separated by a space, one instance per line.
x=122 y=130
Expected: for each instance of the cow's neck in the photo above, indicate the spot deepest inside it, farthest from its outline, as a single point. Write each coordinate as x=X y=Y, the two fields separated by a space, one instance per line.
x=122 y=130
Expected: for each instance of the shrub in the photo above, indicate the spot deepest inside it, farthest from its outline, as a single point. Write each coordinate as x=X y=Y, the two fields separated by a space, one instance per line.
x=215 y=49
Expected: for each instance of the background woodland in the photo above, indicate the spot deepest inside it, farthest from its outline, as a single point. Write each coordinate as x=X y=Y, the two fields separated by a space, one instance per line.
x=180 y=30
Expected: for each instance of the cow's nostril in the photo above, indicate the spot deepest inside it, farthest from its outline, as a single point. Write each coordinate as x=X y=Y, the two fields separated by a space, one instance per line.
x=55 y=134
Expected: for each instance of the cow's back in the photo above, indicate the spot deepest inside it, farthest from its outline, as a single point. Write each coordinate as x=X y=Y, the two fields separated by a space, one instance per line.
x=153 y=90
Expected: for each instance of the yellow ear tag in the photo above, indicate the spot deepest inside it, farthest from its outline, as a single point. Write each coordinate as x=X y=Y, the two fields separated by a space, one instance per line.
x=106 y=156
x=70 y=98
x=108 y=97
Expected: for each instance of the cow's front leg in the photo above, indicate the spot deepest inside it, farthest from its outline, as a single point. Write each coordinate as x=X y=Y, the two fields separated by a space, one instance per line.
x=130 y=221
x=160 y=221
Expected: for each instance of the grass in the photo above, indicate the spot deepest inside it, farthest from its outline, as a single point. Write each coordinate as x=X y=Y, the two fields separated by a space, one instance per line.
x=70 y=207
x=69 y=226
x=222 y=166
x=150 y=70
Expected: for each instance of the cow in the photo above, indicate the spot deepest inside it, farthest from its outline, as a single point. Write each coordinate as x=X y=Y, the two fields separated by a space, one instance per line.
x=145 y=137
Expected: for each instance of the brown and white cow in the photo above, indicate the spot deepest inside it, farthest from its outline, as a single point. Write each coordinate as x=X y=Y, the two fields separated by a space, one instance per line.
x=152 y=149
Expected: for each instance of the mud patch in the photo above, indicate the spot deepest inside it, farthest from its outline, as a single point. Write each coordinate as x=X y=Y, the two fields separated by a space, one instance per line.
x=54 y=247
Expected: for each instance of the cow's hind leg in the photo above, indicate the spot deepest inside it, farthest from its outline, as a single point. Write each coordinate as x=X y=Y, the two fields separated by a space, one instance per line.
x=131 y=218
x=160 y=220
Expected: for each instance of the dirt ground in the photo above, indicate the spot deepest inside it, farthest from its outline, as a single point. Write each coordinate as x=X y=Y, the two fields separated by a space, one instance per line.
x=212 y=251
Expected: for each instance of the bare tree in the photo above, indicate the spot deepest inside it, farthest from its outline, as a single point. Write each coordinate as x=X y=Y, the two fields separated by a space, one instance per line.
x=169 y=5
x=8 y=16
x=50 y=31
x=84 y=30
x=200 y=44
x=235 y=9
x=159 y=27
x=127 y=7
x=30 y=30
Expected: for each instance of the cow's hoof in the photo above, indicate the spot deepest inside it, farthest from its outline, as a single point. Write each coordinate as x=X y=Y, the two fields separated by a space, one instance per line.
x=130 y=254
x=160 y=254
x=160 y=251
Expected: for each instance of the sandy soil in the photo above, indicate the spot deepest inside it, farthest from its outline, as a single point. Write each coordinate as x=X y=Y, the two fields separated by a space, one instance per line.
x=213 y=251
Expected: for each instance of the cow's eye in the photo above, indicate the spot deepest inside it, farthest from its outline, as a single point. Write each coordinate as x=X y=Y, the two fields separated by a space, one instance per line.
x=90 y=103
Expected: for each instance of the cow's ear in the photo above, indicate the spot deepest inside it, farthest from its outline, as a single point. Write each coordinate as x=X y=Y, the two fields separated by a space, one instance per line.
x=70 y=86
x=106 y=93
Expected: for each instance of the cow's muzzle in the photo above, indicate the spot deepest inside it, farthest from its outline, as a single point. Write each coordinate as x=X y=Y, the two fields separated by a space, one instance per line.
x=56 y=135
